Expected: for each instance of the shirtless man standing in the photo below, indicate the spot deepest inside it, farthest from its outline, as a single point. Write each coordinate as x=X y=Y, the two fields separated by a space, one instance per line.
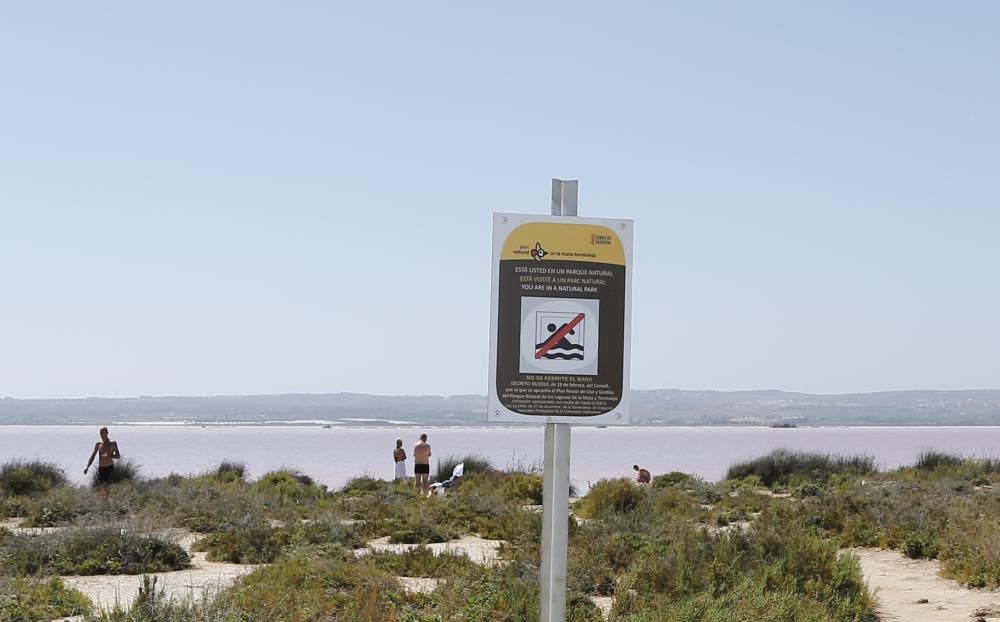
x=422 y=464
x=108 y=450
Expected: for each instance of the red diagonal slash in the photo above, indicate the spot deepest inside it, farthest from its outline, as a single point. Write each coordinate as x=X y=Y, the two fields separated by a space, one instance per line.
x=556 y=336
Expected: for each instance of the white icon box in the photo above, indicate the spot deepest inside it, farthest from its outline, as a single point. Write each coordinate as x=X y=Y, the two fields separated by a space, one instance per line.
x=559 y=336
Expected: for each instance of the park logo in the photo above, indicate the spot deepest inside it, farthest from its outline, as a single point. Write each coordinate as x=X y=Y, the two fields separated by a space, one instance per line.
x=538 y=252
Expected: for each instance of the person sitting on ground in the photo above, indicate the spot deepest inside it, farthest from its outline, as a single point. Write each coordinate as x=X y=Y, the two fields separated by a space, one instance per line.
x=642 y=476
x=438 y=489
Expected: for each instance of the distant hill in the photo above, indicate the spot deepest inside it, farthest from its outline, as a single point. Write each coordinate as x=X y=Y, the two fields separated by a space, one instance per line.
x=649 y=407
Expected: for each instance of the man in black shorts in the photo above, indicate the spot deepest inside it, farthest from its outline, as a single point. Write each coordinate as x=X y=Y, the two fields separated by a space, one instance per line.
x=107 y=449
x=422 y=464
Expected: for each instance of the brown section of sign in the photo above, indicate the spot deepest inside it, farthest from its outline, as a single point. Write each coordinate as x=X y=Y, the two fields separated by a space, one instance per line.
x=562 y=395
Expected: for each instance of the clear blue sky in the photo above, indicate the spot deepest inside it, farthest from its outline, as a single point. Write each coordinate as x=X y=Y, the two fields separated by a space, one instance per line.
x=250 y=197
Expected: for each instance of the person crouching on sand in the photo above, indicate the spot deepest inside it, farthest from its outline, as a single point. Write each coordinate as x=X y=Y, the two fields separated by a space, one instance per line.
x=108 y=451
x=642 y=475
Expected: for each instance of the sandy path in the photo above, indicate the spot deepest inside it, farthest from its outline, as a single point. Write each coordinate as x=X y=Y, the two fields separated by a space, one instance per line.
x=107 y=591
x=203 y=577
x=899 y=583
x=479 y=550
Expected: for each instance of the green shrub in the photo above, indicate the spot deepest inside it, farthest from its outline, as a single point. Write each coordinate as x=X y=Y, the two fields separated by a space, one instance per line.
x=27 y=478
x=522 y=488
x=609 y=496
x=969 y=548
x=777 y=467
x=207 y=505
x=423 y=532
x=91 y=551
x=502 y=488
x=289 y=487
x=125 y=471
x=60 y=506
x=230 y=471
x=422 y=562
x=262 y=544
x=919 y=545
x=252 y=545
x=39 y=600
x=675 y=479
x=930 y=460
x=304 y=588
x=363 y=486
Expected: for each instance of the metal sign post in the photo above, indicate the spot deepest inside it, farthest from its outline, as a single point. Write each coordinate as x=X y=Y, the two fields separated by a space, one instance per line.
x=555 y=486
x=560 y=336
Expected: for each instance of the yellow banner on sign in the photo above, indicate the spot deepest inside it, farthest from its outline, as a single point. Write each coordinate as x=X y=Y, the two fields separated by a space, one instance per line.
x=554 y=241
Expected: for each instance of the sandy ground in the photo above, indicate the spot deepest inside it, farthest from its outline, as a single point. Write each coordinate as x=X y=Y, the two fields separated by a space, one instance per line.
x=479 y=550
x=910 y=590
x=107 y=591
x=604 y=603
x=204 y=577
x=419 y=585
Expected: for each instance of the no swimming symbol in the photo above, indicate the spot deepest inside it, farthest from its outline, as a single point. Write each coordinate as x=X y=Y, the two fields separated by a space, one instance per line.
x=558 y=338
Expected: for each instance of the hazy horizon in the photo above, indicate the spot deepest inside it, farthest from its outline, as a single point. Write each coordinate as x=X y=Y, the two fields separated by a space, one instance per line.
x=446 y=395
x=240 y=198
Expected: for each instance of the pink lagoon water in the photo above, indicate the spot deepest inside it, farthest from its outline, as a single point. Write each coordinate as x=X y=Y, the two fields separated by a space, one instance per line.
x=335 y=455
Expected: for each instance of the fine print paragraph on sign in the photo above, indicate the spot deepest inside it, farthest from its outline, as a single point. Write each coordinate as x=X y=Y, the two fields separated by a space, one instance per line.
x=560 y=319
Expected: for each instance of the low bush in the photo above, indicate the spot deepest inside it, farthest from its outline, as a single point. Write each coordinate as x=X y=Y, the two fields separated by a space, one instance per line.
x=609 y=496
x=206 y=505
x=363 y=486
x=419 y=532
x=303 y=588
x=90 y=551
x=125 y=471
x=252 y=545
x=289 y=487
x=969 y=548
x=515 y=488
x=782 y=467
x=230 y=471
x=30 y=477
x=422 y=562
x=263 y=544
x=675 y=479
x=39 y=600
x=60 y=506
x=930 y=460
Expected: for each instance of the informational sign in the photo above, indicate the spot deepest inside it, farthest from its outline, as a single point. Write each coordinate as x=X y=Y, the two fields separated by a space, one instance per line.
x=560 y=319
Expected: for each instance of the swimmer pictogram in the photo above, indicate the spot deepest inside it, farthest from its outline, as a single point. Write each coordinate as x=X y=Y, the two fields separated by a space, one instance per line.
x=564 y=341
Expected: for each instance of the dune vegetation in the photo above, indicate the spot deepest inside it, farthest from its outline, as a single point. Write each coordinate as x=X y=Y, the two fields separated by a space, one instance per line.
x=765 y=544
